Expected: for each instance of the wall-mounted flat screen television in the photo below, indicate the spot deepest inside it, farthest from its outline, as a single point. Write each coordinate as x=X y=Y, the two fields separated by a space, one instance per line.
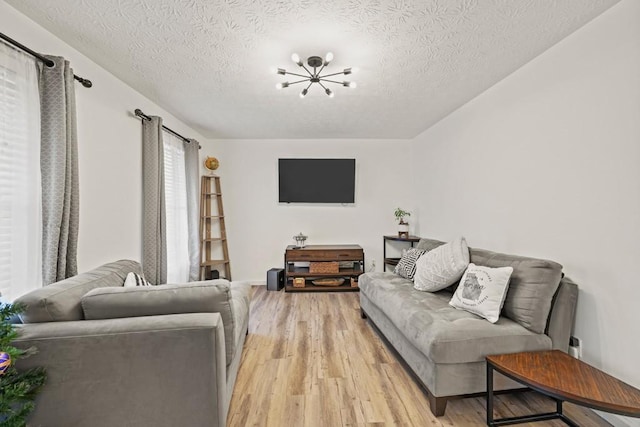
x=316 y=180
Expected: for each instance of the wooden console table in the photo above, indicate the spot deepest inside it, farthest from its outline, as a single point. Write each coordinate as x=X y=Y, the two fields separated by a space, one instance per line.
x=351 y=255
x=563 y=378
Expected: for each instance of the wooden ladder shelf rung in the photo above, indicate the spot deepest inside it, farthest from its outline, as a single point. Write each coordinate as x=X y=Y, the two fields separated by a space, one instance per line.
x=215 y=262
x=213 y=239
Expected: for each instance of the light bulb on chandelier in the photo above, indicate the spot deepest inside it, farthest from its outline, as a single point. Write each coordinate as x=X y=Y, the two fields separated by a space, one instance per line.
x=314 y=76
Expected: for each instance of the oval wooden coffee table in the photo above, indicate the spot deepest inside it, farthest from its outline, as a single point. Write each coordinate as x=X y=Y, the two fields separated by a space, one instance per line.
x=563 y=378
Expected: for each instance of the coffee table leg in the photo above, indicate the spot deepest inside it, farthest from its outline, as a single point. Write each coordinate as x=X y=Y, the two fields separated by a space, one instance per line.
x=489 y=394
x=568 y=421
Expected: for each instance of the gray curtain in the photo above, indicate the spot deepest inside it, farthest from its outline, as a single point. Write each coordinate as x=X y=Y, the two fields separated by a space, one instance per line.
x=154 y=220
x=59 y=168
x=192 y=170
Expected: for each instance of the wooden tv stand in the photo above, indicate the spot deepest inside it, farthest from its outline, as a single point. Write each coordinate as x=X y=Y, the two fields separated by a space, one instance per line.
x=345 y=254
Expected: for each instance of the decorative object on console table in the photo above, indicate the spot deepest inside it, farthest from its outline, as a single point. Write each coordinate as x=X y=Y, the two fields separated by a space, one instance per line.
x=300 y=240
x=328 y=282
x=403 y=226
x=331 y=267
x=394 y=261
x=298 y=282
x=323 y=261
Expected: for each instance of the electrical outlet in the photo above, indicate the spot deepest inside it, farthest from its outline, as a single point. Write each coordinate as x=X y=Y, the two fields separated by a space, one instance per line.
x=575 y=347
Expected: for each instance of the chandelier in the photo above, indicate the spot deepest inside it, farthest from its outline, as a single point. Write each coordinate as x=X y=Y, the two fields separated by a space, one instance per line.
x=318 y=64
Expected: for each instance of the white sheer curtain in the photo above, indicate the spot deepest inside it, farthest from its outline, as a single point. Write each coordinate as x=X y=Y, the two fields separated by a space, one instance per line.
x=175 y=188
x=20 y=186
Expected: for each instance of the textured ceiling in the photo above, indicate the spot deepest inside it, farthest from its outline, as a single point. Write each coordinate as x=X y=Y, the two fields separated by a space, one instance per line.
x=212 y=63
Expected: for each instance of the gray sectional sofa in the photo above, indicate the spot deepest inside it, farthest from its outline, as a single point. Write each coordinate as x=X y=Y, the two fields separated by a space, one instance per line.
x=136 y=356
x=445 y=348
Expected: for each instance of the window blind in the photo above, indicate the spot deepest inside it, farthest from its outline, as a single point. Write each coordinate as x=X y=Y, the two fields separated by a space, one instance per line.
x=175 y=184
x=20 y=189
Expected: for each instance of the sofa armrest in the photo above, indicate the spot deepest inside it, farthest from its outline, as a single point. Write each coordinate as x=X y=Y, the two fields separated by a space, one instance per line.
x=156 y=370
x=562 y=315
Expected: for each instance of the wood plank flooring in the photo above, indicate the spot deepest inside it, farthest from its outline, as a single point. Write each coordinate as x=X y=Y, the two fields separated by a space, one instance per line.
x=311 y=361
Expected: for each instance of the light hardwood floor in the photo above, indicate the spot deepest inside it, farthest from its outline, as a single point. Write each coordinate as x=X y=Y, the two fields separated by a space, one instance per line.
x=310 y=360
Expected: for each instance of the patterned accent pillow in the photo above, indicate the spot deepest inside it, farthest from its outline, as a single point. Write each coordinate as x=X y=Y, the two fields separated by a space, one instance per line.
x=482 y=291
x=441 y=267
x=134 y=279
x=407 y=265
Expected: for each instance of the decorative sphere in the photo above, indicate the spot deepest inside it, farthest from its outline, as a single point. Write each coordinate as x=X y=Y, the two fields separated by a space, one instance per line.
x=211 y=163
x=5 y=362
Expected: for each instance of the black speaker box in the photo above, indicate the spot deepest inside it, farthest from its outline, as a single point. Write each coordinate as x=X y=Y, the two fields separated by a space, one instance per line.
x=275 y=279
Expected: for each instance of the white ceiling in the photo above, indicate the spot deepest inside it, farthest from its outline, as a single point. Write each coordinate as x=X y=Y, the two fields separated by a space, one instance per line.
x=212 y=63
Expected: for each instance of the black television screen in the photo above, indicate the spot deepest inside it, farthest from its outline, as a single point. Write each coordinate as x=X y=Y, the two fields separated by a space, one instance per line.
x=316 y=180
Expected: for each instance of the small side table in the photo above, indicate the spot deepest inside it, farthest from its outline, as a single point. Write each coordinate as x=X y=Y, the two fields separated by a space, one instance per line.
x=563 y=378
x=394 y=261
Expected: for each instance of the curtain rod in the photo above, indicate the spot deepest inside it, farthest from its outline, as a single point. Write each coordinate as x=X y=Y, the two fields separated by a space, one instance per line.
x=47 y=62
x=138 y=112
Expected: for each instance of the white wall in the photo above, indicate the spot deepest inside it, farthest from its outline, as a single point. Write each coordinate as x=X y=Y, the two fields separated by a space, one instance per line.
x=260 y=228
x=109 y=146
x=547 y=164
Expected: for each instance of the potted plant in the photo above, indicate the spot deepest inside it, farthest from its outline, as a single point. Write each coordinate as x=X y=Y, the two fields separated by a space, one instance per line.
x=403 y=226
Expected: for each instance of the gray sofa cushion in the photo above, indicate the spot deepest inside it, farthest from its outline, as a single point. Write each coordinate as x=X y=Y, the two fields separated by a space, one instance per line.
x=240 y=301
x=213 y=296
x=439 y=331
x=60 y=301
x=531 y=288
x=429 y=244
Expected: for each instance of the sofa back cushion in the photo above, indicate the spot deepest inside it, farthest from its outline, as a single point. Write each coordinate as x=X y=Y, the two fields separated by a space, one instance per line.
x=531 y=288
x=212 y=296
x=60 y=301
x=429 y=244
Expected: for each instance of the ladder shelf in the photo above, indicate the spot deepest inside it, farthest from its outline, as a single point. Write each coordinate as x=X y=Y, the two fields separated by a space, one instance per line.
x=213 y=234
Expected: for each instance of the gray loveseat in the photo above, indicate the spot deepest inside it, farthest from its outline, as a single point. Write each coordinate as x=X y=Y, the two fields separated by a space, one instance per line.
x=137 y=356
x=445 y=348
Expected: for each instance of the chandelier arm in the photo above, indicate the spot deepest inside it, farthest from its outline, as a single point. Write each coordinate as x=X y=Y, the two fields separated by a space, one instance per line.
x=323 y=86
x=331 y=81
x=305 y=68
x=330 y=75
x=321 y=68
x=299 y=81
x=295 y=74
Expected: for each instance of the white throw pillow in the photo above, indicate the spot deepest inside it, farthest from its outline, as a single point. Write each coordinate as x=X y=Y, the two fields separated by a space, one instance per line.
x=134 y=279
x=442 y=266
x=482 y=291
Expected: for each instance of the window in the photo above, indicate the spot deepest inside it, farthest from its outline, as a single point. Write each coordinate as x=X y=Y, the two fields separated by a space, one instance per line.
x=175 y=188
x=20 y=188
